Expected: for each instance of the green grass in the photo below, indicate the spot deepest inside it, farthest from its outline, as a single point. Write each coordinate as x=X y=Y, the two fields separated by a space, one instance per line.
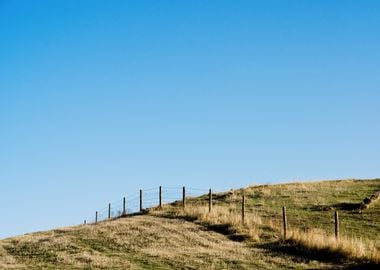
x=195 y=239
x=310 y=213
x=312 y=205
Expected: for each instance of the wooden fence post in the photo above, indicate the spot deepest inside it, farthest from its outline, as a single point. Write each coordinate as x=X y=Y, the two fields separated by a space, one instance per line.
x=209 y=200
x=85 y=222
x=96 y=217
x=243 y=208
x=141 y=200
x=183 y=198
x=124 y=208
x=284 y=220
x=160 y=197
x=336 y=225
x=109 y=211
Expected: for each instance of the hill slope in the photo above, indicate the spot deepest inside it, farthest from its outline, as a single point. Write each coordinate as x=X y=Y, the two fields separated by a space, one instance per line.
x=195 y=239
x=139 y=242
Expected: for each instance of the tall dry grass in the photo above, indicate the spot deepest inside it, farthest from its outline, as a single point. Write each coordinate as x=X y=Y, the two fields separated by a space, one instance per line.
x=230 y=217
x=311 y=240
x=318 y=240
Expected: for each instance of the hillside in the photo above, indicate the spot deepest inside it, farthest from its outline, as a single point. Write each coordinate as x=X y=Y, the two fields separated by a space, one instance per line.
x=139 y=242
x=171 y=238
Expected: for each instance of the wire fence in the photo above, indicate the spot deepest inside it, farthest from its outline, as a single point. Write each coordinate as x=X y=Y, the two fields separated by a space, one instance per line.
x=144 y=199
x=231 y=204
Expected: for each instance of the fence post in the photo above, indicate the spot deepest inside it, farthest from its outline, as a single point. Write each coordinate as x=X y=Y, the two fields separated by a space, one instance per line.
x=85 y=222
x=124 y=209
x=109 y=211
x=141 y=200
x=209 y=200
x=183 y=198
x=284 y=220
x=243 y=208
x=336 y=225
x=160 y=197
x=96 y=217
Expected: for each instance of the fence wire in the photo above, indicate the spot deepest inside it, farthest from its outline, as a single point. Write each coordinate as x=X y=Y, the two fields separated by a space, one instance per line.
x=264 y=212
x=150 y=198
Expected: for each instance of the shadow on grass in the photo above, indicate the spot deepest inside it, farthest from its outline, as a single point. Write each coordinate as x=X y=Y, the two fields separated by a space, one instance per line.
x=224 y=229
x=346 y=206
x=295 y=249
x=278 y=247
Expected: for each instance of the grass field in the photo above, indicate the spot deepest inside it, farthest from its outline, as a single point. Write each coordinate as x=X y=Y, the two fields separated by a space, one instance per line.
x=173 y=238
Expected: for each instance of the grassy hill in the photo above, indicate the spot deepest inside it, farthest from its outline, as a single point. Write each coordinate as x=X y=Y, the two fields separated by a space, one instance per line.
x=173 y=238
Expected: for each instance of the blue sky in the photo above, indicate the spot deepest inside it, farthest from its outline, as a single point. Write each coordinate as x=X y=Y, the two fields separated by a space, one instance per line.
x=101 y=98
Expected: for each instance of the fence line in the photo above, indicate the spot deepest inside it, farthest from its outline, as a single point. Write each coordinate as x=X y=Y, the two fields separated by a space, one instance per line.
x=157 y=197
x=144 y=199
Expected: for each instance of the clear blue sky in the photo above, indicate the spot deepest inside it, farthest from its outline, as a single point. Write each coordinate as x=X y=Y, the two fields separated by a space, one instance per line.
x=101 y=98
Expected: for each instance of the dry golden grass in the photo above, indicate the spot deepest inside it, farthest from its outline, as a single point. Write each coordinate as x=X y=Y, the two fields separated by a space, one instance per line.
x=6 y=260
x=141 y=242
x=313 y=240
x=53 y=247
x=173 y=238
x=260 y=228
x=220 y=215
x=317 y=240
